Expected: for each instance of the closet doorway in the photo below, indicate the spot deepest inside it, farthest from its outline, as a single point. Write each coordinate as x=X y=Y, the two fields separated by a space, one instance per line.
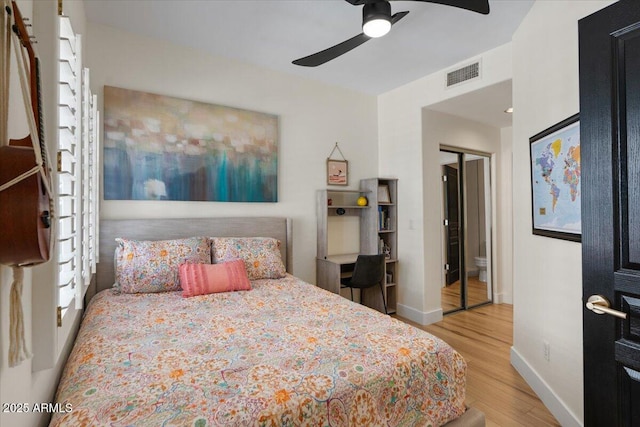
x=466 y=231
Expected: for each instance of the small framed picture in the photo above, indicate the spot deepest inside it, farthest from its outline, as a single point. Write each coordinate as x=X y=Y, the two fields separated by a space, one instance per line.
x=383 y=194
x=337 y=172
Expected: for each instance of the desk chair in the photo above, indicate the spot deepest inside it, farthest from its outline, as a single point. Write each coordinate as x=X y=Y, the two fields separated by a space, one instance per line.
x=367 y=272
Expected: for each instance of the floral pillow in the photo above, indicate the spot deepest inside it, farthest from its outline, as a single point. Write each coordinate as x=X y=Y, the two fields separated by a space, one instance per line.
x=152 y=266
x=261 y=255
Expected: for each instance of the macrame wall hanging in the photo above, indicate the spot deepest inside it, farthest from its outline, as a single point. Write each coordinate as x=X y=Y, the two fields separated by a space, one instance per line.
x=337 y=169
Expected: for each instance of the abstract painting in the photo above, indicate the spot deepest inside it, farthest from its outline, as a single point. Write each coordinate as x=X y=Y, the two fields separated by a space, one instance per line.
x=162 y=148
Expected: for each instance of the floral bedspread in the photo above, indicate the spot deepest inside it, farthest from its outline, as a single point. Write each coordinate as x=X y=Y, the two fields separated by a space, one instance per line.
x=285 y=353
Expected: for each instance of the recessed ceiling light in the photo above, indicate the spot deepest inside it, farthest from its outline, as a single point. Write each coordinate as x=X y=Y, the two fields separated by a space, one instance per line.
x=509 y=110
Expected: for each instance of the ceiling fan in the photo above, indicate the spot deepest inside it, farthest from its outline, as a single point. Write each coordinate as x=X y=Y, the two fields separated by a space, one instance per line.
x=376 y=22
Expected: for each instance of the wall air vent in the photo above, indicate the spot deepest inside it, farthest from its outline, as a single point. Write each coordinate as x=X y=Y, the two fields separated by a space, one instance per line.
x=464 y=74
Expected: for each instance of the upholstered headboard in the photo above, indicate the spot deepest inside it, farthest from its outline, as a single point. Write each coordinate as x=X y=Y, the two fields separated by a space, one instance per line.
x=163 y=229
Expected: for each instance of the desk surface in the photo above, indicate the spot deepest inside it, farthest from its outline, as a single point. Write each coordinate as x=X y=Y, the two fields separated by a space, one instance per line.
x=342 y=259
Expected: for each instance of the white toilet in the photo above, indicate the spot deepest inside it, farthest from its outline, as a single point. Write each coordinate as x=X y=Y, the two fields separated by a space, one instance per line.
x=481 y=263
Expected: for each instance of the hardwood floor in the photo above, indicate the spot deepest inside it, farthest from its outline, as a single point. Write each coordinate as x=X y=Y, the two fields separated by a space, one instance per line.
x=484 y=337
x=476 y=294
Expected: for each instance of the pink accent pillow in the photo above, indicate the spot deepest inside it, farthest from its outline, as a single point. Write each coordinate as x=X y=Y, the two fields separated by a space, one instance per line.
x=202 y=279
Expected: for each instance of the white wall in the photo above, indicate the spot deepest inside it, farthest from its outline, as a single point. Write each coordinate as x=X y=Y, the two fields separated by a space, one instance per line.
x=35 y=380
x=503 y=292
x=547 y=272
x=313 y=117
x=409 y=152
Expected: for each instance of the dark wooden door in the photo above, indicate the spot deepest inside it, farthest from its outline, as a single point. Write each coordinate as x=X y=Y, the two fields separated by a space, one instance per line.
x=452 y=212
x=610 y=146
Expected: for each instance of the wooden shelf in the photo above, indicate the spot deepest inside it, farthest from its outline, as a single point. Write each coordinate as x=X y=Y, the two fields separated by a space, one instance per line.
x=373 y=237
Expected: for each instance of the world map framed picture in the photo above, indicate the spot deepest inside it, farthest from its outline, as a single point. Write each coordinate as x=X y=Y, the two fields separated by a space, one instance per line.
x=555 y=181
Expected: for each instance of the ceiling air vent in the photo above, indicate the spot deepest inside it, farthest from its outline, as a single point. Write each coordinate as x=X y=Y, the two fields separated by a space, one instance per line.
x=466 y=73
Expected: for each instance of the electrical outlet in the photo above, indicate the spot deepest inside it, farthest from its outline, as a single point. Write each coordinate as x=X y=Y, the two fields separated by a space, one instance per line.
x=547 y=350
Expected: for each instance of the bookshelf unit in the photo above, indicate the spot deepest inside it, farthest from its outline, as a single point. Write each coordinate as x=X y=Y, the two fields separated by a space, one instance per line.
x=378 y=234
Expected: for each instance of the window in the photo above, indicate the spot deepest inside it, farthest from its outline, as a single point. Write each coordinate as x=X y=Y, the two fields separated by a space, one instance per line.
x=77 y=175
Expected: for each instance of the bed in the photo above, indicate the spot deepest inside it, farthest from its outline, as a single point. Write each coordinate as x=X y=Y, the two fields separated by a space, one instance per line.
x=283 y=353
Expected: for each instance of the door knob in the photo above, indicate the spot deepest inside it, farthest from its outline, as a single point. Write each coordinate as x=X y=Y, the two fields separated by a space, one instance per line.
x=600 y=305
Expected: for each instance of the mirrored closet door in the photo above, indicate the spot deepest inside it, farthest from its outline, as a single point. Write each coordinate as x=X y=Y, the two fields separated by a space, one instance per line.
x=466 y=231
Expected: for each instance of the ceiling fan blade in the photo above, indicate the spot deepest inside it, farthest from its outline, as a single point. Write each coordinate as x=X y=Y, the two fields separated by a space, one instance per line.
x=333 y=52
x=480 y=6
x=398 y=16
x=341 y=48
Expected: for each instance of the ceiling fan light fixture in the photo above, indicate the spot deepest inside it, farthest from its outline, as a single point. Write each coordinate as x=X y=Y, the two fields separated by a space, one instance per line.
x=376 y=27
x=376 y=19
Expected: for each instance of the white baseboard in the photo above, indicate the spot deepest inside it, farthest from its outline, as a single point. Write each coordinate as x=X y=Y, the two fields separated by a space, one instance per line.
x=502 y=299
x=565 y=417
x=420 y=317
